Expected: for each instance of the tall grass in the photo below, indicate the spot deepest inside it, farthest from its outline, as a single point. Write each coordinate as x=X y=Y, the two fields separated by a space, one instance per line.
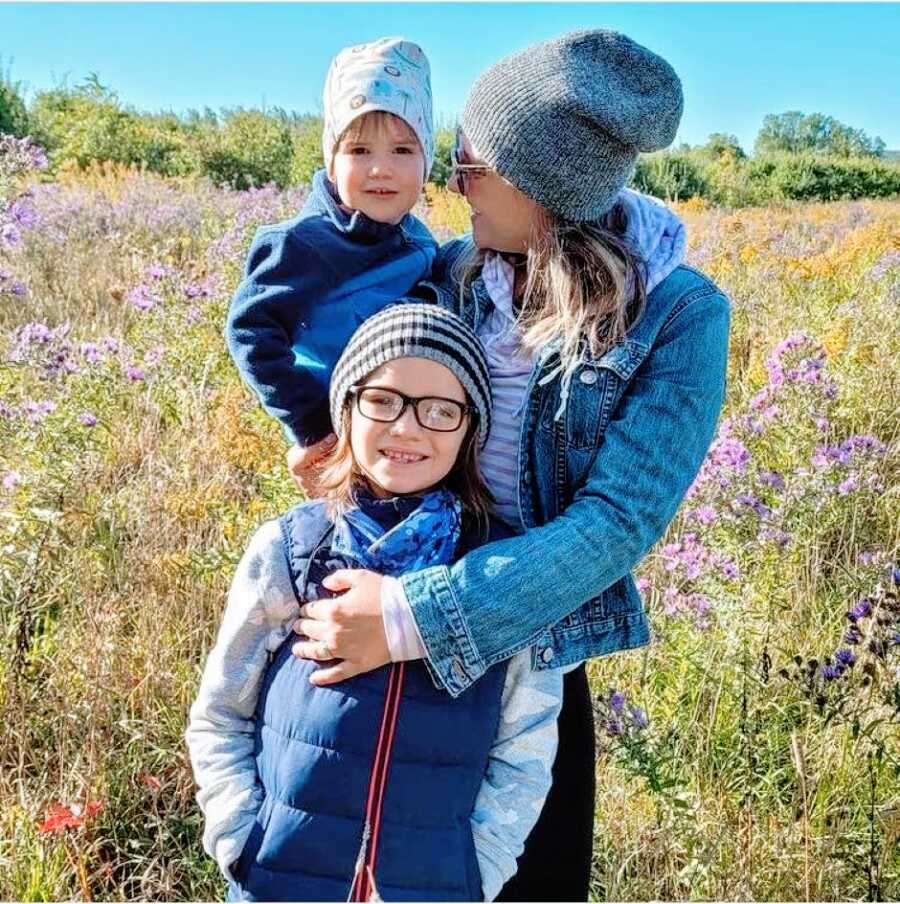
x=134 y=466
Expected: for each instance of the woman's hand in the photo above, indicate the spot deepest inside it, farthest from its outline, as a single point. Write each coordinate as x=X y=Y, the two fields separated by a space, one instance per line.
x=349 y=627
x=303 y=462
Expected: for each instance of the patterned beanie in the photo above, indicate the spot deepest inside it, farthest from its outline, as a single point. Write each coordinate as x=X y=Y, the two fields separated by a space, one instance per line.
x=415 y=330
x=391 y=75
x=564 y=120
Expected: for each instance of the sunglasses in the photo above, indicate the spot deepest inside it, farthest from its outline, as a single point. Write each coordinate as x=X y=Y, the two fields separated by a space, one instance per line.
x=462 y=171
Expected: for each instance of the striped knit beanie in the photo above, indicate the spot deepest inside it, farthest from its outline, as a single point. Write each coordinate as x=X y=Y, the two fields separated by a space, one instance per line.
x=415 y=330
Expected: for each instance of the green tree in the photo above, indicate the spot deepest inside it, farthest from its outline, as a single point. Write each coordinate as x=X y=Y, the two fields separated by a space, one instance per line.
x=796 y=133
x=443 y=142
x=306 y=137
x=673 y=175
x=13 y=115
x=250 y=149
x=720 y=144
x=86 y=123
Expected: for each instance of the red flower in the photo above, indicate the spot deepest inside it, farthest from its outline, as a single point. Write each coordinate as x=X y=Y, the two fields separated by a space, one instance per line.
x=60 y=817
x=151 y=781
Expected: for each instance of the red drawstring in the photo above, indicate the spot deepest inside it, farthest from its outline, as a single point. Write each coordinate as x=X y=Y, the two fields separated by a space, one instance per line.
x=363 y=887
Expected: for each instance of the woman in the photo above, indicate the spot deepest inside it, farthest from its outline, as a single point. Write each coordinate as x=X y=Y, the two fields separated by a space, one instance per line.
x=607 y=361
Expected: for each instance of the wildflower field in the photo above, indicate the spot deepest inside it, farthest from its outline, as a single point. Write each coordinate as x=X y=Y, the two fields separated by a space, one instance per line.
x=751 y=752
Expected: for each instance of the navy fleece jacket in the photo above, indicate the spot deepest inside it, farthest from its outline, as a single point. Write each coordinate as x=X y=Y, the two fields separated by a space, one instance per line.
x=308 y=283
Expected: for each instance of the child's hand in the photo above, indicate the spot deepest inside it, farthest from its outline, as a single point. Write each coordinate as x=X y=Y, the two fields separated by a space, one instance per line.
x=302 y=462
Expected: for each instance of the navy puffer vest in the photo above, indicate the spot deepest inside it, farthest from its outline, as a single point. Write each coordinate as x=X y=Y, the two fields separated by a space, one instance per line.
x=384 y=755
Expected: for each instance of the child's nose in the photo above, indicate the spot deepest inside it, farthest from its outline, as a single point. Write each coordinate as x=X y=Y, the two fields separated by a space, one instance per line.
x=406 y=423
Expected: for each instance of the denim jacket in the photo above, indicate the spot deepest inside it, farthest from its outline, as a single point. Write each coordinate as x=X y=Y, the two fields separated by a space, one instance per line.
x=601 y=474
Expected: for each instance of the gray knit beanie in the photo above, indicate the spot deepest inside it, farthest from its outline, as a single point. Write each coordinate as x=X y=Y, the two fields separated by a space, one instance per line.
x=564 y=120
x=413 y=329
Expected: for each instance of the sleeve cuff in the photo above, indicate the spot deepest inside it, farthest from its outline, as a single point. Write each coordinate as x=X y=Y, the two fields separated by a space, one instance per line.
x=230 y=847
x=452 y=659
x=309 y=429
x=400 y=628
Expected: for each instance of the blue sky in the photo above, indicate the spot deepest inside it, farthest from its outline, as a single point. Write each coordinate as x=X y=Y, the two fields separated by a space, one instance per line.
x=738 y=62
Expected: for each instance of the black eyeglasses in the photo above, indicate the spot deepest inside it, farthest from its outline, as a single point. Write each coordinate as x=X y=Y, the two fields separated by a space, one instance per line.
x=462 y=170
x=432 y=412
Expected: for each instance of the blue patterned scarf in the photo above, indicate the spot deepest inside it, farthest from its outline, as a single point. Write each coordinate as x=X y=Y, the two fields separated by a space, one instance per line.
x=395 y=536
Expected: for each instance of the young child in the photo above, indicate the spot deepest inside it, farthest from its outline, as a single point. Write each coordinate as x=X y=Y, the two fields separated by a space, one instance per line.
x=383 y=783
x=354 y=248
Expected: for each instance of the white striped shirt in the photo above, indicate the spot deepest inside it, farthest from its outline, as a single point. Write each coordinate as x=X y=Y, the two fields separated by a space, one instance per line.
x=510 y=367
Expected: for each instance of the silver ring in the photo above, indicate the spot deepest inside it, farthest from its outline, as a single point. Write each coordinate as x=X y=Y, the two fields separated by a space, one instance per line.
x=326 y=651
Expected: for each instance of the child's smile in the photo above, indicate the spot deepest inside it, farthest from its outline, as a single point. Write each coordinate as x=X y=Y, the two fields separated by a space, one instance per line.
x=401 y=456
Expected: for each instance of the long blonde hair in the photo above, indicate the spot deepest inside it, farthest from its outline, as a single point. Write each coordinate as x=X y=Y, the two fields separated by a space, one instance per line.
x=583 y=284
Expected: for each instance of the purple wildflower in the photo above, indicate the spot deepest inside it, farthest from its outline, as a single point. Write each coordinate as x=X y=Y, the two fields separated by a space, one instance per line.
x=887 y=262
x=848 y=485
x=134 y=373
x=867 y=558
x=11 y=479
x=643 y=584
x=154 y=356
x=90 y=351
x=830 y=672
x=704 y=514
x=863 y=609
x=753 y=502
x=777 y=536
x=852 y=635
x=731 y=453
x=10 y=236
x=37 y=411
x=23 y=214
x=730 y=570
x=758 y=402
x=845 y=657
x=638 y=717
x=700 y=603
x=141 y=297
x=617 y=701
x=88 y=419
x=671 y=600
x=772 y=479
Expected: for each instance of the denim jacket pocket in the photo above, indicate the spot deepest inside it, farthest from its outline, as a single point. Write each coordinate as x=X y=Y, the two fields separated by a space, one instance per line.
x=594 y=388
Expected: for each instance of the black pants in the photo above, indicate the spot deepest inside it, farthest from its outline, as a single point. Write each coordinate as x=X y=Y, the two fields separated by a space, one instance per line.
x=556 y=862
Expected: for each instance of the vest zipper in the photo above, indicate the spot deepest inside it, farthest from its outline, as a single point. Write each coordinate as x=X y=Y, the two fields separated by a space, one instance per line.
x=363 y=886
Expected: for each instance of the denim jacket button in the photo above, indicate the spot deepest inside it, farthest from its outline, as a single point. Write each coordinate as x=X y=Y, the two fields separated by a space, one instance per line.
x=458 y=670
x=547 y=654
x=588 y=377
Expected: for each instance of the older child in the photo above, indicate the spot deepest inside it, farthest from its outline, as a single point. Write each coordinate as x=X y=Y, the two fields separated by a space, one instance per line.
x=354 y=248
x=382 y=783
